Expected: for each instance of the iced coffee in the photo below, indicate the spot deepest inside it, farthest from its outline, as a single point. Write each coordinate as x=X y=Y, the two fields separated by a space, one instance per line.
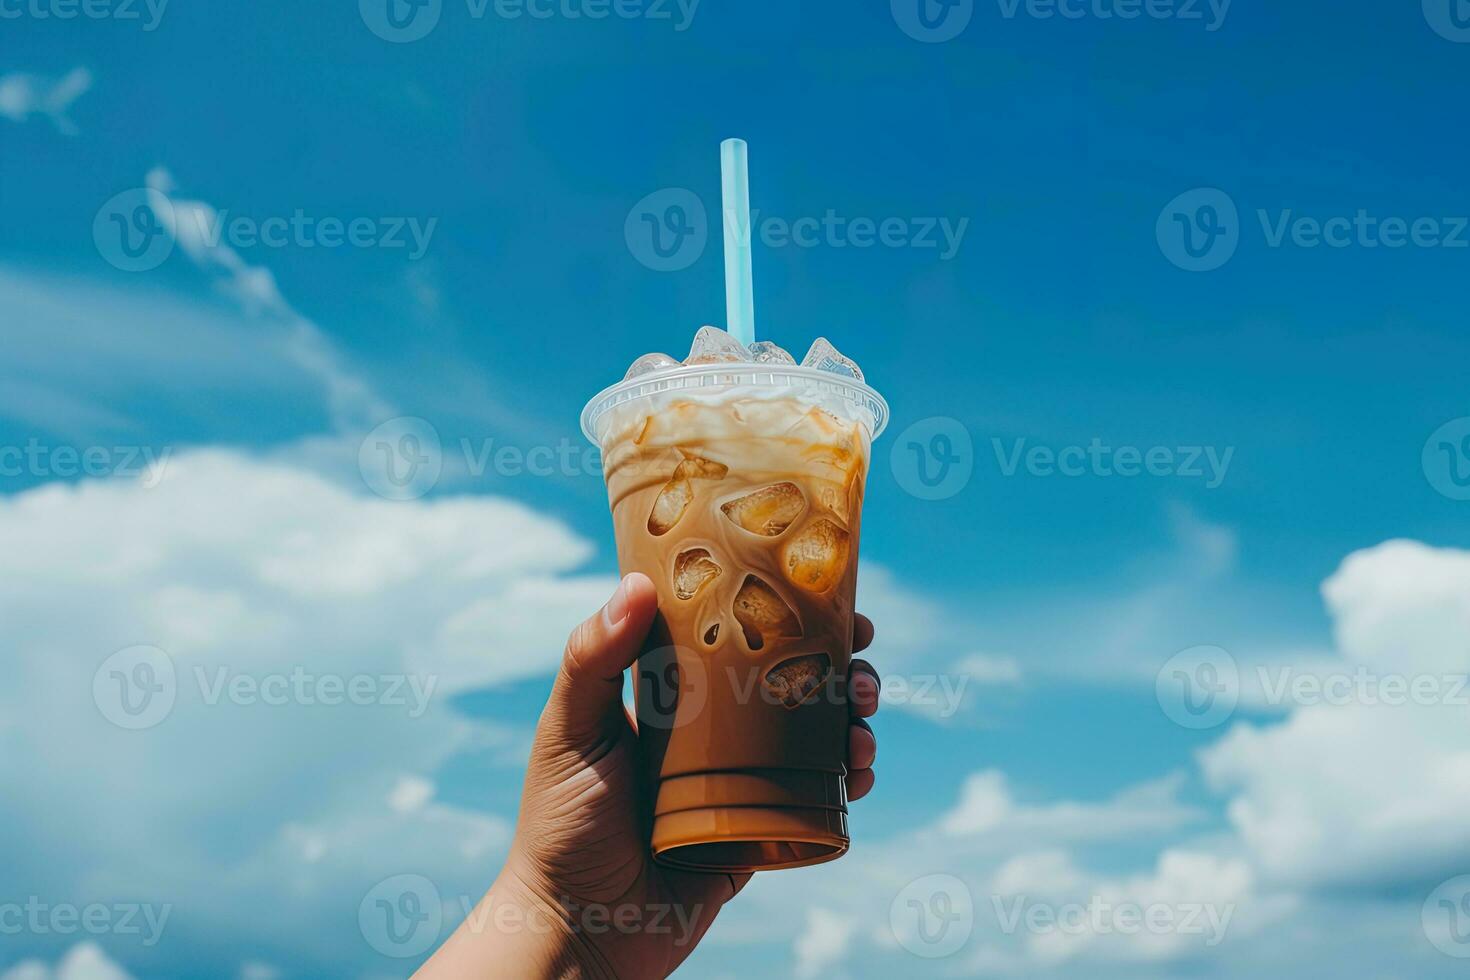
x=736 y=483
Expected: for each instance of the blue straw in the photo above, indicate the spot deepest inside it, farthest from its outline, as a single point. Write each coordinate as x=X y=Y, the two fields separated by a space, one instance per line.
x=739 y=288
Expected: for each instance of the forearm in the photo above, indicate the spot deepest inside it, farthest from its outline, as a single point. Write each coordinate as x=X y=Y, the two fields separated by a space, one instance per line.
x=512 y=932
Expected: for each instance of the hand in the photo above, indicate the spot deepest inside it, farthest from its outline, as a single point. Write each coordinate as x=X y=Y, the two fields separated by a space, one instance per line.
x=580 y=884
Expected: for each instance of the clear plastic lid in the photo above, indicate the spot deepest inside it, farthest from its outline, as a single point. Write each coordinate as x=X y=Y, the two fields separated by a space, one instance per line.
x=840 y=395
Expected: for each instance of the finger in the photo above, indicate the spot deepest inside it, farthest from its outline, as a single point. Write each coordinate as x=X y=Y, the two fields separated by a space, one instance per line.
x=589 y=686
x=862 y=745
x=863 y=688
x=862 y=632
x=858 y=784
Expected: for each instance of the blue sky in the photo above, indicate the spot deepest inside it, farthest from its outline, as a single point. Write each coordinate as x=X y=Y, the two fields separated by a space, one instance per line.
x=1066 y=156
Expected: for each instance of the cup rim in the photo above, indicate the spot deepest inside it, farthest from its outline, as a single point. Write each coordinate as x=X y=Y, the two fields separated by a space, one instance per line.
x=735 y=373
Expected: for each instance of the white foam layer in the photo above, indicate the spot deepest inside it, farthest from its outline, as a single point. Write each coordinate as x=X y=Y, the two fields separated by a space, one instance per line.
x=623 y=405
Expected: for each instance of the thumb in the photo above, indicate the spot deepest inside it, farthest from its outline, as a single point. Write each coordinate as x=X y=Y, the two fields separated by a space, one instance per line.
x=588 y=694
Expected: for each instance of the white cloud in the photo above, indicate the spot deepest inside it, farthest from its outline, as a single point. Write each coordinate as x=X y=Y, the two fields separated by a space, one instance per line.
x=823 y=942
x=84 y=961
x=198 y=227
x=23 y=95
x=410 y=793
x=1358 y=793
x=1190 y=902
x=987 y=669
x=987 y=806
x=244 y=570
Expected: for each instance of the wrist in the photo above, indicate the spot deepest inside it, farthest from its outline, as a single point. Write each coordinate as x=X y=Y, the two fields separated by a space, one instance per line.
x=515 y=929
x=545 y=928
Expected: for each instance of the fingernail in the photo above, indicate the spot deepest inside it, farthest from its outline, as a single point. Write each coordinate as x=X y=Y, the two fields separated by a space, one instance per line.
x=616 y=609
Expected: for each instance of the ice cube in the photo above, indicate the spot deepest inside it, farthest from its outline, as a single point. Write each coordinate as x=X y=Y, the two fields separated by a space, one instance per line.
x=824 y=357
x=762 y=613
x=675 y=497
x=693 y=570
x=765 y=352
x=714 y=346
x=767 y=511
x=697 y=467
x=670 y=504
x=794 y=681
x=816 y=558
x=649 y=363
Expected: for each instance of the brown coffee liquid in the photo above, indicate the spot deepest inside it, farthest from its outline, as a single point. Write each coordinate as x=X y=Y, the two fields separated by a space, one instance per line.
x=745 y=514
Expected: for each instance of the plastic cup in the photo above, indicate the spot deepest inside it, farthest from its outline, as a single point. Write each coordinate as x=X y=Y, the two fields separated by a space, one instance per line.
x=738 y=488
